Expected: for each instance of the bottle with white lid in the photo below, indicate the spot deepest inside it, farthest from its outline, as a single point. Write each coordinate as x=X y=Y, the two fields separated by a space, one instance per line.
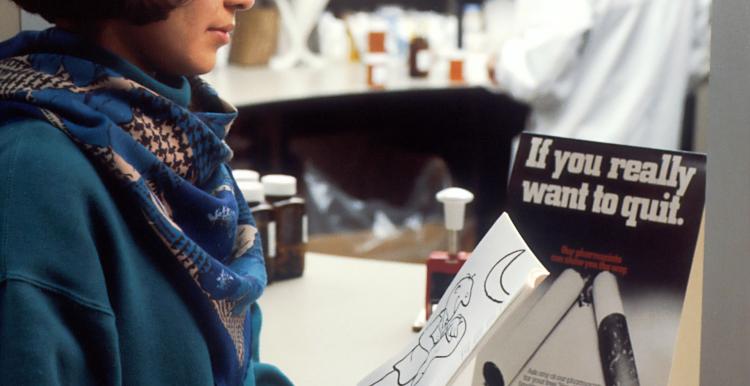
x=376 y=58
x=291 y=220
x=420 y=56
x=264 y=221
x=442 y=266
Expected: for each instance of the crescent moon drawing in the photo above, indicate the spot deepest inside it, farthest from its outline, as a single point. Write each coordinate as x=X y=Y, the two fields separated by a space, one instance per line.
x=494 y=287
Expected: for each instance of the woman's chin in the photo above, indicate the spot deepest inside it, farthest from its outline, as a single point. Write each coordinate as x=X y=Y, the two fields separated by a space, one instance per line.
x=200 y=67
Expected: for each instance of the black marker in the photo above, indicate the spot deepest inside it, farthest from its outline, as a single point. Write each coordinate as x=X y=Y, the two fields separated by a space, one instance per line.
x=615 y=348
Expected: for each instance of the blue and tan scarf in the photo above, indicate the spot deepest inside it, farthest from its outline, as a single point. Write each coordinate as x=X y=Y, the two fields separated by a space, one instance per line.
x=162 y=143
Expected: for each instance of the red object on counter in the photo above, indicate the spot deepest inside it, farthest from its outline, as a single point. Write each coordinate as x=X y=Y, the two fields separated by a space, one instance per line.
x=442 y=267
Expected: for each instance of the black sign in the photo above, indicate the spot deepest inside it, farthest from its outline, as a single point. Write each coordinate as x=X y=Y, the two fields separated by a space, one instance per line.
x=633 y=211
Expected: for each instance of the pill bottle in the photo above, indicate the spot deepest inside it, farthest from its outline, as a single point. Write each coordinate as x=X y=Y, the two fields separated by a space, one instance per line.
x=291 y=224
x=456 y=67
x=420 y=58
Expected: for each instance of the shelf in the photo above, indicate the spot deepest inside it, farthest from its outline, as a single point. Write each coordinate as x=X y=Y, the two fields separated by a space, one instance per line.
x=247 y=86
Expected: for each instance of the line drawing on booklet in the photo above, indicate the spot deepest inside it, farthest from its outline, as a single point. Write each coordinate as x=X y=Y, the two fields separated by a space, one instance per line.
x=494 y=287
x=500 y=270
x=439 y=339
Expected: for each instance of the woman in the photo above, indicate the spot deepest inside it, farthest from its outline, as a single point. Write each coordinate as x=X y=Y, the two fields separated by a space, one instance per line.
x=127 y=254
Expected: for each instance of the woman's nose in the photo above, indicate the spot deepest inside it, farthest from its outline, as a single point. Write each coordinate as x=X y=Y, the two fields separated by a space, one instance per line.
x=239 y=5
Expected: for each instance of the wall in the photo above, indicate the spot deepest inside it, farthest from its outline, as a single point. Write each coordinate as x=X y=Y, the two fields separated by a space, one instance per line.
x=726 y=308
x=10 y=21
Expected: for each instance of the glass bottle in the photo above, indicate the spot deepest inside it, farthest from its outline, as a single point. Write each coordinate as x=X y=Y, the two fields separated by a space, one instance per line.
x=376 y=58
x=291 y=224
x=419 y=57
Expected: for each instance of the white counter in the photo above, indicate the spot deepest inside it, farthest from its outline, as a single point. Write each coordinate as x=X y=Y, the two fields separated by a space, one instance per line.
x=341 y=320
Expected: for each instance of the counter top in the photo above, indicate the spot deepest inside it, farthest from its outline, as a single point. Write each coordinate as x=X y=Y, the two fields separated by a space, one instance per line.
x=245 y=86
x=341 y=319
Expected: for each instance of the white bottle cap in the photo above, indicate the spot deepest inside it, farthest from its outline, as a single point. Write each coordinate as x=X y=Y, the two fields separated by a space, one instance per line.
x=454 y=203
x=279 y=185
x=245 y=175
x=251 y=190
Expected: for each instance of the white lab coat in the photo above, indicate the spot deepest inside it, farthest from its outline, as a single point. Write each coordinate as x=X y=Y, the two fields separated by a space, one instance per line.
x=606 y=70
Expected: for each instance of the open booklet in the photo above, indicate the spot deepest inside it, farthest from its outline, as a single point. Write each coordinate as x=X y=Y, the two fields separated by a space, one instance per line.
x=501 y=271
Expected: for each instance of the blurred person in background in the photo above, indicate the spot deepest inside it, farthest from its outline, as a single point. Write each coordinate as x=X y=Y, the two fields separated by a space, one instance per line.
x=127 y=253
x=613 y=71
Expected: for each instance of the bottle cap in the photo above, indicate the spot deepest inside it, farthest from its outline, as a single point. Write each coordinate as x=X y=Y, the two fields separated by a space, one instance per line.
x=454 y=203
x=245 y=175
x=472 y=7
x=279 y=185
x=251 y=190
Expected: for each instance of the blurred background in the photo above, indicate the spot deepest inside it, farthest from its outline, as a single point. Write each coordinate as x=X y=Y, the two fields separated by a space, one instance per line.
x=375 y=106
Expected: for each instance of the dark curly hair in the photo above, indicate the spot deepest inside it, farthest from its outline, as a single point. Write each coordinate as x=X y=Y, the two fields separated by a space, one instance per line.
x=88 y=11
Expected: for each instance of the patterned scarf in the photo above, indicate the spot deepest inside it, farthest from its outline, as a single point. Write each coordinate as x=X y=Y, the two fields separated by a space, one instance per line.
x=170 y=156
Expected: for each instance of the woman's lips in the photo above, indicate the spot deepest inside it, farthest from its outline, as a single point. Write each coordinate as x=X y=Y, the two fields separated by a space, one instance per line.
x=222 y=34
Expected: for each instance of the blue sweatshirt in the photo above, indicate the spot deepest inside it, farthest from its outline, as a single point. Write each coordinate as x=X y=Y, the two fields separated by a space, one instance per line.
x=88 y=293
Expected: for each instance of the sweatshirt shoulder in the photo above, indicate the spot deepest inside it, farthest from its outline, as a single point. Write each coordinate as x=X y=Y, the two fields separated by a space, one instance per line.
x=35 y=153
x=53 y=207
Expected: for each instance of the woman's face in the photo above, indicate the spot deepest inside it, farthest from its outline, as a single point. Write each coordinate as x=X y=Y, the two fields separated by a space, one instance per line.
x=183 y=44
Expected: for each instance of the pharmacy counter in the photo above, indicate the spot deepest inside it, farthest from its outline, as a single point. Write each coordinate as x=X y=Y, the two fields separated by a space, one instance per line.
x=342 y=319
